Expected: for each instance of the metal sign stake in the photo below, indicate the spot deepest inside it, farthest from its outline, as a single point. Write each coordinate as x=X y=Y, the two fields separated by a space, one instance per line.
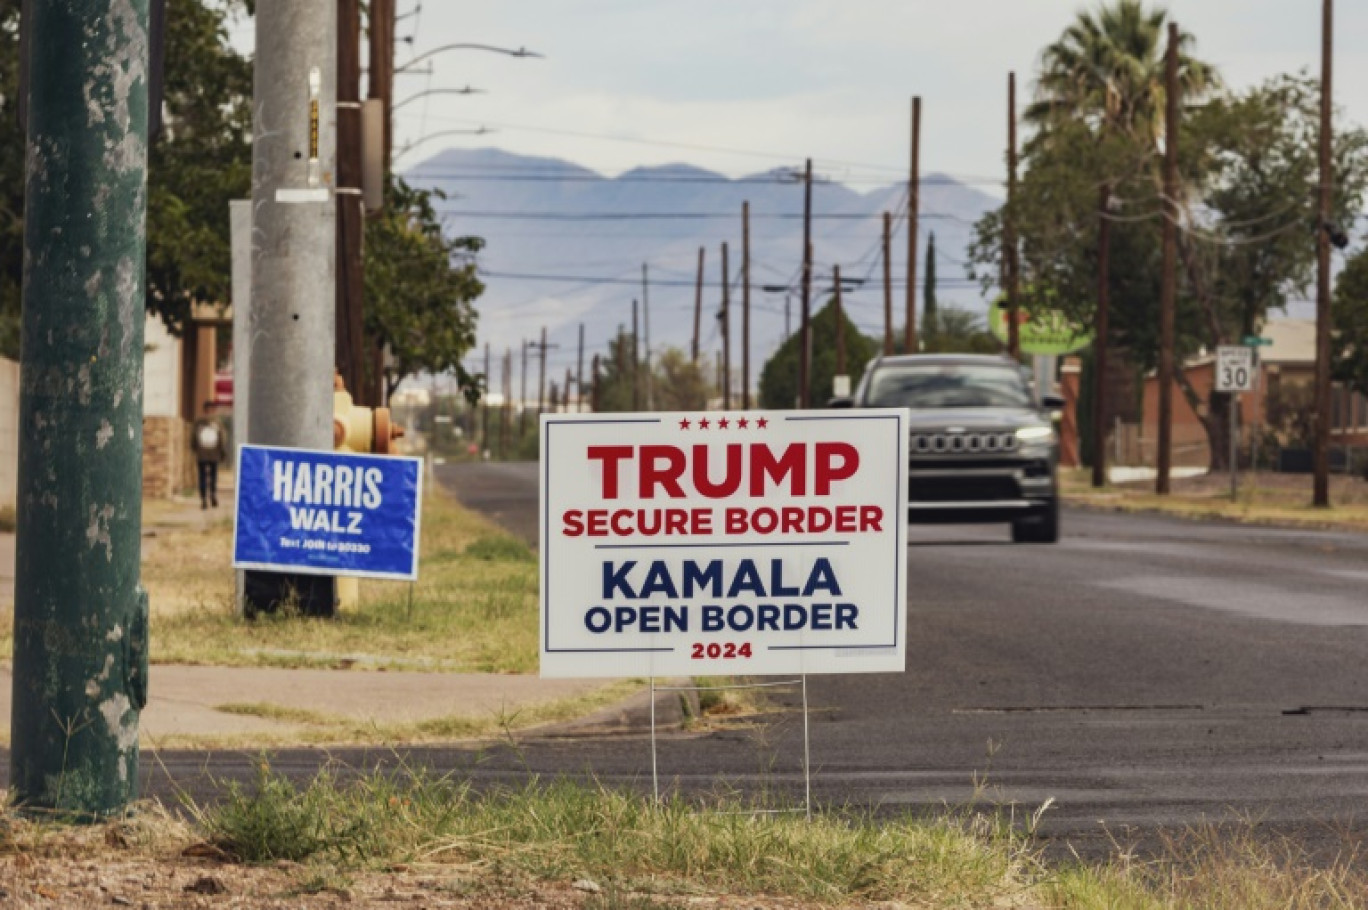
x=1234 y=447
x=807 y=756
x=655 y=775
x=807 y=751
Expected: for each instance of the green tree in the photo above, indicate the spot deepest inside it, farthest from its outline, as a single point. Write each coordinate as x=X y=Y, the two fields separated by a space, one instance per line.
x=677 y=383
x=1350 y=317
x=1107 y=71
x=617 y=375
x=420 y=289
x=1244 y=246
x=11 y=181
x=929 y=324
x=779 y=377
x=201 y=161
x=962 y=332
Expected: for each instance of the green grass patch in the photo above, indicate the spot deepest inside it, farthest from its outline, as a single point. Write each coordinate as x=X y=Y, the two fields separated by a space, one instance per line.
x=678 y=853
x=474 y=609
x=1261 y=499
x=564 y=831
x=500 y=548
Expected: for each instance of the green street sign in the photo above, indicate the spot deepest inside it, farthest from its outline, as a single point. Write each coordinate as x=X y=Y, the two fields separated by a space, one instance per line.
x=1040 y=330
x=1254 y=341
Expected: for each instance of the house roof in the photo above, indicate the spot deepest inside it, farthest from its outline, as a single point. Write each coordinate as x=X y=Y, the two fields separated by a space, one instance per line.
x=1294 y=341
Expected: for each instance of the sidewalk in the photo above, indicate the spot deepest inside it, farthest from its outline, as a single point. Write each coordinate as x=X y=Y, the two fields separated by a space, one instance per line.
x=185 y=702
x=271 y=705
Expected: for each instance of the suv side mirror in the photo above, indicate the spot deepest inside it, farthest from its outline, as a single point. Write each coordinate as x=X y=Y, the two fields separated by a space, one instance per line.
x=1051 y=403
x=845 y=401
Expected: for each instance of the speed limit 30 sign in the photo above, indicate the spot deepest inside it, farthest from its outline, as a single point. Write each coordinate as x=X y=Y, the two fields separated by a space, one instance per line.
x=1235 y=369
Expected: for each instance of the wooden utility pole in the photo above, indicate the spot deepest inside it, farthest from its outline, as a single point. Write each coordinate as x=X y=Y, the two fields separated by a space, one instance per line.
x=522 y=396
x=888 y=283
x=350 y=342
x=1169 y=278
x=1100 y=330
x=541 y=375
x=566 y=400
x=745 y=306
x=1321 y=442
x=506 y=418
x=381 y=68
x=804 y=327
x=646 y=328
x=725 y=316
x=380 y=87
x=594 y=385
x=579 y=372
x=913 y=209
x=484 y=401
x=840 y=323
x=1009 y=236
x=698 y=306
x=636 y=359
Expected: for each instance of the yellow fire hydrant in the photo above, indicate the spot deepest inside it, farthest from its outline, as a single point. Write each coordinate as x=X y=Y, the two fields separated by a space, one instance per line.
x=363 y=430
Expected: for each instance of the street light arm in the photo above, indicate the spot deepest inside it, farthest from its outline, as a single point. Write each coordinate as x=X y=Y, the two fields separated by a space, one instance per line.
x=438 y=135
x=520 y=52
x=439 y=91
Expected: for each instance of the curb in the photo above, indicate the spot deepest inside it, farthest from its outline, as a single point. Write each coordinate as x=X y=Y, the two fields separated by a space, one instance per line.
x=673 y=711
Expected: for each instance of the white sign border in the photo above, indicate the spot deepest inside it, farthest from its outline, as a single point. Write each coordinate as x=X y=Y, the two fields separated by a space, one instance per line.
x=902 y=418
x=311 y=570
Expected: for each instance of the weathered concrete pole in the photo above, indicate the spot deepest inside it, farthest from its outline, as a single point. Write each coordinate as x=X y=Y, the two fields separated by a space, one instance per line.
x=294 y=253
x=80 y=616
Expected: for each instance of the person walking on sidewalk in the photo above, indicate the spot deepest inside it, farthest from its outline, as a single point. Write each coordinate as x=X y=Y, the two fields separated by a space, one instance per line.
x=210 y=450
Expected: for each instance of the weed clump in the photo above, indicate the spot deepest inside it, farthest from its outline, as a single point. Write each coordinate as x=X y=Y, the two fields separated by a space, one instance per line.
x=500 y=548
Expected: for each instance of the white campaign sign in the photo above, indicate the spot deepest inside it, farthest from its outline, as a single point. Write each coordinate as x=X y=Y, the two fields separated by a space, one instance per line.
x=1235 y=370
x=745 y=543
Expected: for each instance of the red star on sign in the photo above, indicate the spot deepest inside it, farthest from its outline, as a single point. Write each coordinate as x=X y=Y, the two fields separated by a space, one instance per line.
x=724 y=423
x=684 y=424
x=703 y=424
x=762 y=423
x=742 y=423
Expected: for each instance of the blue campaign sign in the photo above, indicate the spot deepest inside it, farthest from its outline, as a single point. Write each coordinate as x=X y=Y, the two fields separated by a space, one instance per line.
x=327 y=513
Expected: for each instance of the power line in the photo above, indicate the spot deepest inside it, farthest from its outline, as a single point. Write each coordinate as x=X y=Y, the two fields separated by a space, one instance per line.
x=673 y=216
x=664 y=282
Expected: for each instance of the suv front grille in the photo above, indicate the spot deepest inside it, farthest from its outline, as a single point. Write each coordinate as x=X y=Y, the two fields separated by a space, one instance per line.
x=972 y=443
x=962 y=489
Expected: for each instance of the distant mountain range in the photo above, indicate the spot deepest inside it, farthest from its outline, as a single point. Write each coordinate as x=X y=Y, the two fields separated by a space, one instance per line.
x=565 y=246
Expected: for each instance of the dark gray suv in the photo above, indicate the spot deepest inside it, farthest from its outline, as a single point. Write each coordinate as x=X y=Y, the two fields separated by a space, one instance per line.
x=981 y=448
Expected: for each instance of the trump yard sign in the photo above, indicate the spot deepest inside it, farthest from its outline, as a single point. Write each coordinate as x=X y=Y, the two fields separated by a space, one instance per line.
x=741 y=543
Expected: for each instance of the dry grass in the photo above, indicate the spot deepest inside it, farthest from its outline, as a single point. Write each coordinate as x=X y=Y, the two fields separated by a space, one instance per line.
x=404 y=836
x=474 y=609
x=1264 y=499
x=700 y=851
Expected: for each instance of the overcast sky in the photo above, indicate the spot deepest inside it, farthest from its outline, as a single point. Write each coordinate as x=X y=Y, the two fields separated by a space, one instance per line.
x=794 y=78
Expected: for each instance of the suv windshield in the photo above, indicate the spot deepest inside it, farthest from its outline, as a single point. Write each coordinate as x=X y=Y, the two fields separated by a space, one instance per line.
x=948 y=385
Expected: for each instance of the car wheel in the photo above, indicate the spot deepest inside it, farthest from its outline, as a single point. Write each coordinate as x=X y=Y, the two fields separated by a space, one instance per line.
x=1042 y=528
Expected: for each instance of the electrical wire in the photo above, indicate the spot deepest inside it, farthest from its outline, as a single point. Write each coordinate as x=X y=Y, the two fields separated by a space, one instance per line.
x=676 y=216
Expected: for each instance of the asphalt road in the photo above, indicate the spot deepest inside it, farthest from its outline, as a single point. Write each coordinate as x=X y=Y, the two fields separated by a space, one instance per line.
x=1145 y=674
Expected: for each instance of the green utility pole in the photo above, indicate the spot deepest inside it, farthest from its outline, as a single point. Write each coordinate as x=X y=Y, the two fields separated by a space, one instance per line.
x=80 y=616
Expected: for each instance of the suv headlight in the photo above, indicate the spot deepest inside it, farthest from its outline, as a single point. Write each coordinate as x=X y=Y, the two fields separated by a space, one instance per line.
x=1035 y=435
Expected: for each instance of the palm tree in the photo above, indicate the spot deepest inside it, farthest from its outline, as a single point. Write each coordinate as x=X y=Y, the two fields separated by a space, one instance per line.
x=1107 y=70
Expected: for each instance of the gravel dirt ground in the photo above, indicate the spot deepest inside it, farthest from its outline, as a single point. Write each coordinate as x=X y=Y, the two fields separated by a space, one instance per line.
x=110 y=877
